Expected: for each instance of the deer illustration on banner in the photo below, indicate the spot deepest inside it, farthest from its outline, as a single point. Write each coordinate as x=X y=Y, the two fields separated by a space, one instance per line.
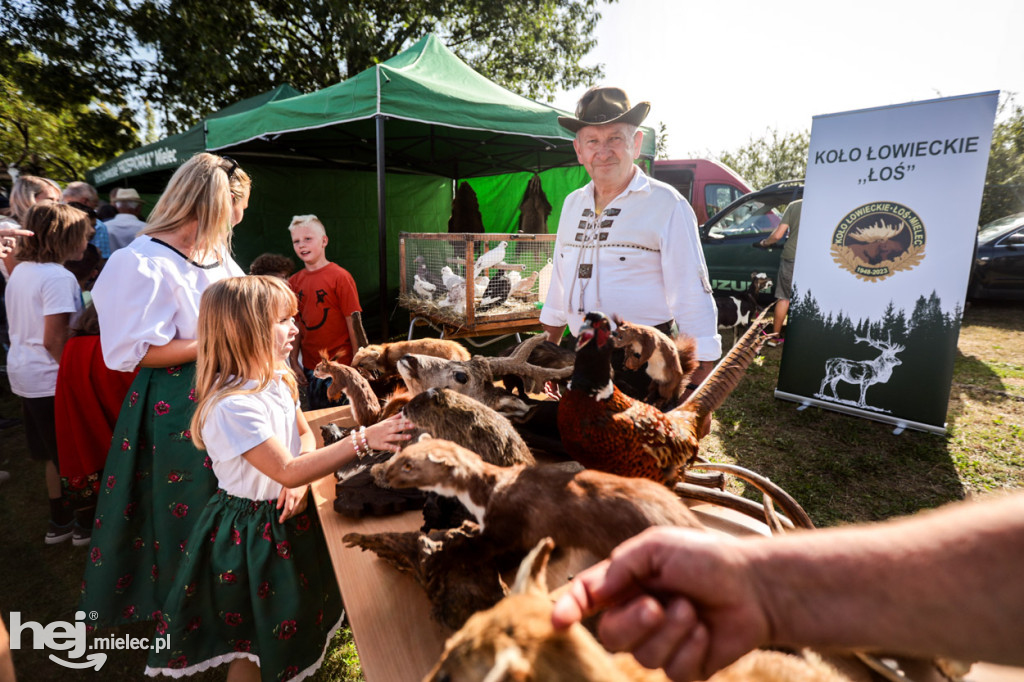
x=863 y=372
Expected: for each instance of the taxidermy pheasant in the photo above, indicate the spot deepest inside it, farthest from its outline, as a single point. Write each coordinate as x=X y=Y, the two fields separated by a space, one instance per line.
x=602 y=428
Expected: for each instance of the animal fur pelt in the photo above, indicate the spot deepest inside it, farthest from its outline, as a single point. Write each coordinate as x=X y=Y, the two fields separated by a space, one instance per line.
x=668 y=362
x=457 y=576
x=724 y=378
x=443 y=413
x=465 y=211
x=465 y=217
x=382 y=359
x=515 y=506
x=357 y=493
x=534 y=209
x=366 y=407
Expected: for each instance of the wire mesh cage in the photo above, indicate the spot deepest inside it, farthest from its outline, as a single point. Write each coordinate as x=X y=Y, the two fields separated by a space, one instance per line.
x=468 y=282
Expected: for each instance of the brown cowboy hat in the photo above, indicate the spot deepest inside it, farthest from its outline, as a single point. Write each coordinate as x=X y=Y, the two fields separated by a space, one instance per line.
x=602 y=105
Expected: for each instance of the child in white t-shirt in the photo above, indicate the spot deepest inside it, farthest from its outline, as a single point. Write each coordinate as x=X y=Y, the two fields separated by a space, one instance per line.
x=256 y=587
x=41 y=297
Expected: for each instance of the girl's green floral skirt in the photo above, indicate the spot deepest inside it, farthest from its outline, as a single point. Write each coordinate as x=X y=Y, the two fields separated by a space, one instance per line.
x=250 y=587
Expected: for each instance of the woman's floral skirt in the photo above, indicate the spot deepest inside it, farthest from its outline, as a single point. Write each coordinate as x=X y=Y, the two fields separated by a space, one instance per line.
x=154 y=486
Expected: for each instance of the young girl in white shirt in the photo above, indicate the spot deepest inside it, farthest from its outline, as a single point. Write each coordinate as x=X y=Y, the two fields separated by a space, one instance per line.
x=256 y=587
x=41 y=297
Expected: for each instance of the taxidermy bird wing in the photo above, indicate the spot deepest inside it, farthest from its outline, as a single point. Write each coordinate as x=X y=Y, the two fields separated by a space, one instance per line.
x=713 y=391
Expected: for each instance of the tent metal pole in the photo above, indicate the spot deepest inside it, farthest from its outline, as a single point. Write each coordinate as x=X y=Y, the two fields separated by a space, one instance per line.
x=382 y=231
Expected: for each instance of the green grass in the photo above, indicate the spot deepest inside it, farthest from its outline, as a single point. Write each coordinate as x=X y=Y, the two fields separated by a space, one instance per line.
x=842 y=469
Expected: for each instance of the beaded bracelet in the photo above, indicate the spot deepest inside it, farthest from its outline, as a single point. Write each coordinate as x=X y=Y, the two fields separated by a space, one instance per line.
x=362 y=438
x=355 y=444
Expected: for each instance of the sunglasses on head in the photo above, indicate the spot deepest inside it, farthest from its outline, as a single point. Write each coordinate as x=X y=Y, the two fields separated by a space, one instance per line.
x=230 y=170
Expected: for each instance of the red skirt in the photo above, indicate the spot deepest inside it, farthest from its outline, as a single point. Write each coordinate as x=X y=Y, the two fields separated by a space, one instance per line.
x=86 y=405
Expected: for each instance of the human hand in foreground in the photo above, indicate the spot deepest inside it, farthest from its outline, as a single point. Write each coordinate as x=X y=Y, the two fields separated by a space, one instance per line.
x=9 y=239
x=390 y=434
x=677 y=599
x=291 y=501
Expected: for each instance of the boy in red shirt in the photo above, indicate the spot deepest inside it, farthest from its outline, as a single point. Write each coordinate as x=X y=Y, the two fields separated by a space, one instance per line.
x=327 y=298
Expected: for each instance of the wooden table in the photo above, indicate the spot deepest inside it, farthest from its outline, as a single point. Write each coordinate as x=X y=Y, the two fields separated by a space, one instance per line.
x=389 y=613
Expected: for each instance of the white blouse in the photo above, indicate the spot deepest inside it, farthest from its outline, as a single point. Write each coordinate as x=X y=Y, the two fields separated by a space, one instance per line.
x=240 y=422
x=147 y=295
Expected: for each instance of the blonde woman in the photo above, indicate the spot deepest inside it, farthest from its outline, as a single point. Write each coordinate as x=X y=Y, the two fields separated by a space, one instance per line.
x=155 y=481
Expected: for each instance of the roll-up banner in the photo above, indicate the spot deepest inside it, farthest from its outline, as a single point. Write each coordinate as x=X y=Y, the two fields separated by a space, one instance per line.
x=886 y=241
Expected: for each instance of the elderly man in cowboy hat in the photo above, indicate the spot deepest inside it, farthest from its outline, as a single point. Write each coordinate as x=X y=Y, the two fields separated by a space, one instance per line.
x=126 y=225
x=627 y=244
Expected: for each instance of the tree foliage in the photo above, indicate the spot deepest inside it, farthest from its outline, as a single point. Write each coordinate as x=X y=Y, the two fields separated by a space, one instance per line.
x=59 y=142
x=783 y=156
x=772 y=158
x=1004 y=181
x=64 y=91
x=192 y=57
x=661 y=141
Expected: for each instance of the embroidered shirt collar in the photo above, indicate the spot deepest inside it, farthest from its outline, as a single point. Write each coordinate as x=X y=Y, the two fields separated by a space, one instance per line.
x=640 y=183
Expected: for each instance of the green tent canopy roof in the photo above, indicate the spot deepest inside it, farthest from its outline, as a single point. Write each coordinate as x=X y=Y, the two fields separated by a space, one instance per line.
x=441 y=118
x=169 y=153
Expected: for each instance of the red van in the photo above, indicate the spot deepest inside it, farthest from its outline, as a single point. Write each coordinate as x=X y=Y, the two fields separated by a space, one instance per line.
x=708 y=185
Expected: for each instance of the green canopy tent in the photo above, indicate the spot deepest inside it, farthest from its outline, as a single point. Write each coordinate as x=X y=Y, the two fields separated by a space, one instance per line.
x=148 y=168
x=423 y=112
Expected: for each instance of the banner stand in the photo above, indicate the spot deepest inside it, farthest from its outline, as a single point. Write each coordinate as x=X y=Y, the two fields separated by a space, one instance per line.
x=886 y=235
x=900 y=424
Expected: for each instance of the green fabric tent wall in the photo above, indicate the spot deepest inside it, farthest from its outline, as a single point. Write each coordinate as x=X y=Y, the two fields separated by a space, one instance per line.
x=422 y=112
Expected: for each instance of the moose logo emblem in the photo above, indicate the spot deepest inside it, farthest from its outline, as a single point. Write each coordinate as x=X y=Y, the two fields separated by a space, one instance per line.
x=864 y=373
x=877 y=240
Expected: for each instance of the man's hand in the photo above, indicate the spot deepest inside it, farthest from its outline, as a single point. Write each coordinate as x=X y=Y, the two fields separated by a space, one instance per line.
x=679 y=599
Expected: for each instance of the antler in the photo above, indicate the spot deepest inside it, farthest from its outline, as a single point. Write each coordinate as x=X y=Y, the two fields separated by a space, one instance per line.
x=877 y=232
x=518 y=363
x=361 y=341
x=879 y=344
x=717 y=386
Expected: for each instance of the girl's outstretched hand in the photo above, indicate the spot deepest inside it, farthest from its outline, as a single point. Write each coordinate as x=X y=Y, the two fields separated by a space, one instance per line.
x=390 y=434
x=292 y=501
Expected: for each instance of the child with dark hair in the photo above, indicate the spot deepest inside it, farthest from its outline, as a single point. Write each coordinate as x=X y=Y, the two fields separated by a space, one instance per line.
x=273 y=264
x=41 y=298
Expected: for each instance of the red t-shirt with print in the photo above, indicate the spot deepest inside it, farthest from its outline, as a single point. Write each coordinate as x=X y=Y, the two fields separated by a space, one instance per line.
x=326 y=298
